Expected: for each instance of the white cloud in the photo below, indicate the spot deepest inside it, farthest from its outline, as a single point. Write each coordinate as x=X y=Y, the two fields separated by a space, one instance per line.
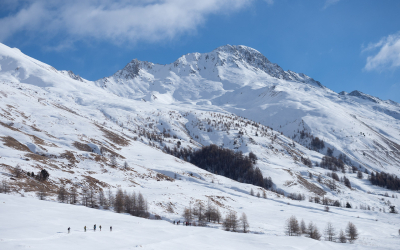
x=388 y=56
x=118 y=21
x=328 y=3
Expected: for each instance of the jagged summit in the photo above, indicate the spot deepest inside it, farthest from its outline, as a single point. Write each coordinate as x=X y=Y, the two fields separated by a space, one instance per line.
x=208 y=65
x=364 y=96
x=72 y=75
x=131 y=70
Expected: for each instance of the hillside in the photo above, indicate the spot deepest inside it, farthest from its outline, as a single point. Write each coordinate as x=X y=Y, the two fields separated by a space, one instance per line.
x=232 y=97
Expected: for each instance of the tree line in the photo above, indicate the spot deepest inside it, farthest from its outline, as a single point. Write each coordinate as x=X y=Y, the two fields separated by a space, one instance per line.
x=389 y=181
x=202 y=213
x=226 y=162
x=122 y=202
x=294 y=228
x=209 y=213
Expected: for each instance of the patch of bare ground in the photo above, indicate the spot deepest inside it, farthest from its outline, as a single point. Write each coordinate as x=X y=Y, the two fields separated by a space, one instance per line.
x=30 y=184
x=40 y=141
x=65 y=108
x=99 y=158
x=8 y=126
x=6 y=114
x=43 y=160
x=117 y=139
x=82 y=146
x=94 y=183
x=35 y=128
x=36 y=157
x=303 y=182
x=217 y=202
x=309 y=186
x=13 y=143
x=36 y=140
x=105 y=149
x=68 y=171
x=134 y=183
x=69 y=155
x=52 y=136
x=292 y=152
x=8 y=168
x=95 y=141
x=160 y=176
x=22 y=114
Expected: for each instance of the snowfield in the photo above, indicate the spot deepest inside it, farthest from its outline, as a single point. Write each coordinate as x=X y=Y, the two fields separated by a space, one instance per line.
x=232 y=97
x=33 y=224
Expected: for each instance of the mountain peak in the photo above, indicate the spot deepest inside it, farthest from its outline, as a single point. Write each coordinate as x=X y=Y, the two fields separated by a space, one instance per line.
x=238 y=49
x=73 y=76
x=131 y=70
x=364 y=96
x=228 y=56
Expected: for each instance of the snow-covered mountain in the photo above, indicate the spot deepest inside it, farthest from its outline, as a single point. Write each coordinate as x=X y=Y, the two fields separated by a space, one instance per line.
x=233 y=97
x=242 y=81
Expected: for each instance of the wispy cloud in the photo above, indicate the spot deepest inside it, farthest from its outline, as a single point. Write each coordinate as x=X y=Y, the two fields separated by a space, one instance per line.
x=117 y=21
x=329 y=3
x=270 y=2
x=388 y=56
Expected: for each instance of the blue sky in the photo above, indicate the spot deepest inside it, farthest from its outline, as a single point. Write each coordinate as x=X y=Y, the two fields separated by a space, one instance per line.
x=344 y=44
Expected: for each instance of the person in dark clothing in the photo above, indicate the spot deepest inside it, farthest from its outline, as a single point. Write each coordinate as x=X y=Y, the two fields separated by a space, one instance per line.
x=69 y=229
x=174 y=222
x=111 y=229
x=94 y=227
x=100 y=227
x=85 y=228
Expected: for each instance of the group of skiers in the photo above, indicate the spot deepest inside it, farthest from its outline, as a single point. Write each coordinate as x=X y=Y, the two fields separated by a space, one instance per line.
x=94 y=228
x=185 y=223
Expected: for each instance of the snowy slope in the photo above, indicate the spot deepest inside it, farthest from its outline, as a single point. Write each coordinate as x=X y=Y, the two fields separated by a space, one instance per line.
x=71 y=126
x=242 y=81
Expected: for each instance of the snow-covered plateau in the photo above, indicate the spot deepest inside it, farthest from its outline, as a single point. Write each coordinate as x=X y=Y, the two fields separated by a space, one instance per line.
x=132 y=131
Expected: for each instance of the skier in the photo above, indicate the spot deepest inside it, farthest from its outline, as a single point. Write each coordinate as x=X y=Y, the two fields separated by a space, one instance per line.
x=85 y=228
x=111 y=229
x=100 y=227
x=174 y=222
x=68 y=229
x=94 y=227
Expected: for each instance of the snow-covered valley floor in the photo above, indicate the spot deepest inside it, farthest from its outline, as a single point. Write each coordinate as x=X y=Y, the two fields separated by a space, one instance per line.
x=28 y=223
